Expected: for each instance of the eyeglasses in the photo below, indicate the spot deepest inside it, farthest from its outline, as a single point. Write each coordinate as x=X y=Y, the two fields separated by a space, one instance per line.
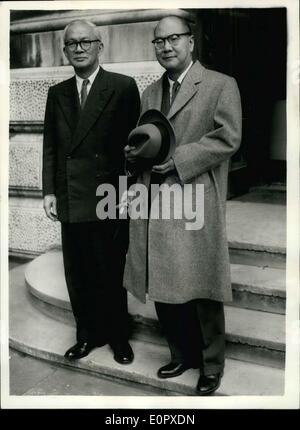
x=173 y=40
x=84 y=45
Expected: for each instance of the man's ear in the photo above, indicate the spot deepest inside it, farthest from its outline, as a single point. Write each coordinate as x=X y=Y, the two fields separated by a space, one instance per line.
x=192 y=43
x=65 y=52
x=100 y=47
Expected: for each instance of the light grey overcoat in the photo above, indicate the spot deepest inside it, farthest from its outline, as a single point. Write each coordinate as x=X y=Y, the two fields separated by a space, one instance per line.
x=165 y=260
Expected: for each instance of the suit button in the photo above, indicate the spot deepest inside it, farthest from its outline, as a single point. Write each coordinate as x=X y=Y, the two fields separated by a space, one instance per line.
x=97 y=156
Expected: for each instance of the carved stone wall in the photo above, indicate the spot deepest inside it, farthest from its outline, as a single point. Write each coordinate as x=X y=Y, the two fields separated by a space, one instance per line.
x=30 y=232
x=29 y=87
x=25 y=156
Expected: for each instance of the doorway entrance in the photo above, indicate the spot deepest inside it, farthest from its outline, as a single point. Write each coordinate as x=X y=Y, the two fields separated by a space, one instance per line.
x=251 y=45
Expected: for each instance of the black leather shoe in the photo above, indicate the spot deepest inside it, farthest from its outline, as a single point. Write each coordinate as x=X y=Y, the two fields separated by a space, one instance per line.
x=172 y=369
x=208 y=384
x=80 y=350
x=123 y=353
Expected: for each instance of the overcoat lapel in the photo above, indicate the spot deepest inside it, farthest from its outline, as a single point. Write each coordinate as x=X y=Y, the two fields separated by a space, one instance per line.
x=99 y=95
x=188 y=88
x=69 y=102
x=155 y=97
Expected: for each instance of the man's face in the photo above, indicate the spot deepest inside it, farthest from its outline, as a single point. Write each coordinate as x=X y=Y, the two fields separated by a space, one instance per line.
x=81 y=59
x=174 y=58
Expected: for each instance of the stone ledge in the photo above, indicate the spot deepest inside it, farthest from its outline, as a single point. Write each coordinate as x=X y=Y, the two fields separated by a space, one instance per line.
x=26 y=127
x=65 y=72
x=23 y=192
x=110 y=17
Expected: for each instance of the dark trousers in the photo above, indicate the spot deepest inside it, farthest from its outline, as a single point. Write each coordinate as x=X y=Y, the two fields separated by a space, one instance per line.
x=195 y=332
x=94 y=258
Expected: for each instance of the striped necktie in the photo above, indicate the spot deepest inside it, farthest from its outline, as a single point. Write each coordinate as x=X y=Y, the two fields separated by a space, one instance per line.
x=175 y=88
x=83 y=93
x=166 y=102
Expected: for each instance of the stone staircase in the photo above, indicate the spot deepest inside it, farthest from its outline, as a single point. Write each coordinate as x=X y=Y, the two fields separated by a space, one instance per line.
x=41 y=323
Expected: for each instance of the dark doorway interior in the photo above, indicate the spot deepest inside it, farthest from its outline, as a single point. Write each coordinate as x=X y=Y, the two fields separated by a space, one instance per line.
x=251 y=45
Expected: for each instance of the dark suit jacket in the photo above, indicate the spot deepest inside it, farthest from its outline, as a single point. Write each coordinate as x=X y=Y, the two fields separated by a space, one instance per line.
x=84 y=149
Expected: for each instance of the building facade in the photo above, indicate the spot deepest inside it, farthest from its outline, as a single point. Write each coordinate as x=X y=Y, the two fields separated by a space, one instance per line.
x=249 y=44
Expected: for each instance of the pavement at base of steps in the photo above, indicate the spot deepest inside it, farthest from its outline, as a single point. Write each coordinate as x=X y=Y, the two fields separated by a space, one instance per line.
x=44 y=378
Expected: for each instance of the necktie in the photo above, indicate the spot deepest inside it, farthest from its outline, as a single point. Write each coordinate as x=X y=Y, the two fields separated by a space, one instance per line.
x=175 y=88
x=166 y=102
x=83 y=93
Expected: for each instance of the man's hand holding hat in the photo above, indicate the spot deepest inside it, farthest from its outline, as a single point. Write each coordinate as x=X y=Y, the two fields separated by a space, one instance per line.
x=165 y=167
x=151 y=143
x=129 y=152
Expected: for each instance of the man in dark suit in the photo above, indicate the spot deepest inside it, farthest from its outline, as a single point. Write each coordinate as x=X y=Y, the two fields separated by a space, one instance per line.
x=87 y=121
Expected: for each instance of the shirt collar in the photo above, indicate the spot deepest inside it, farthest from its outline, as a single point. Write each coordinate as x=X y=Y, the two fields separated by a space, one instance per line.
x=91 y=78
x=182 y=76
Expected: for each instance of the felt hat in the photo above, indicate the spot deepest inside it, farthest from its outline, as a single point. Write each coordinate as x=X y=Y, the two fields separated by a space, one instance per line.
x=153 y=139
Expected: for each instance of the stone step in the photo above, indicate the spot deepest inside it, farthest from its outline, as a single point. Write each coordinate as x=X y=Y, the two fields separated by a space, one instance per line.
x=239 y=254
x=148 y=330
x=41 y=336
x=251 y=335
x=275 y=188
x=253 y=287
x=256 y=230
x=259 y=288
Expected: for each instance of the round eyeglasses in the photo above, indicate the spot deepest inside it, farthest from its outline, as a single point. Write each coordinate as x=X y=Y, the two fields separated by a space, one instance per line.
x=173 y=40
x=84 y=45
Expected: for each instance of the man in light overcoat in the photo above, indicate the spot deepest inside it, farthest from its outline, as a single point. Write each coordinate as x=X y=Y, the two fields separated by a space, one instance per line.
x=187 y=272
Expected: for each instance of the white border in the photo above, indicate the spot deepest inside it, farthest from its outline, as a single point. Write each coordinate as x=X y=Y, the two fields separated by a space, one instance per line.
x=290 y=400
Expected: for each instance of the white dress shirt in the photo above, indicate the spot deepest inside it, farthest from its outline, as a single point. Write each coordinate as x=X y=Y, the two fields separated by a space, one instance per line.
x=91 y=79
x=179 y=80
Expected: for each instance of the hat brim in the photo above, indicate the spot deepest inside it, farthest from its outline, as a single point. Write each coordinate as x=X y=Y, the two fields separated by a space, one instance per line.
x=154 y=116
